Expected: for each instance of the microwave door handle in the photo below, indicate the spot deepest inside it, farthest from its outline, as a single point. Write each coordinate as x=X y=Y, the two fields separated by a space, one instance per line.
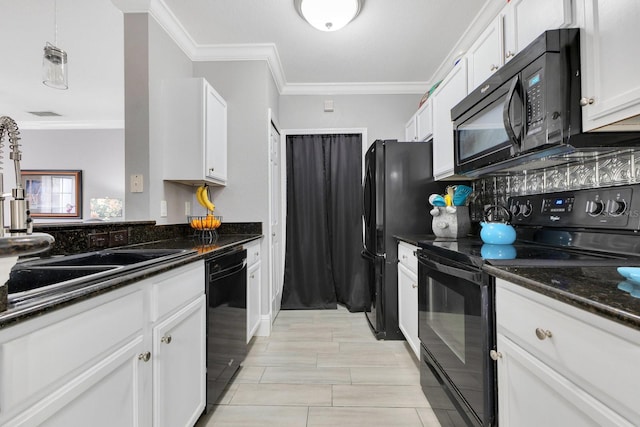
x=506 y=116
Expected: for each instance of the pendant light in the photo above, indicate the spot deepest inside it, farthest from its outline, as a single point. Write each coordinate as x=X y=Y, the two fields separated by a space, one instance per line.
x=328 y=15
x=54 y=60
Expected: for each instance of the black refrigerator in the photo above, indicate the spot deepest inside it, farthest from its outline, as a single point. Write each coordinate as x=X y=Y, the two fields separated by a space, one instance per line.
x=397 y=183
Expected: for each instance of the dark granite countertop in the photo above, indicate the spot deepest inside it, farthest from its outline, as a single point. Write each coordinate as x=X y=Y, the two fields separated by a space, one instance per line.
x=595 y=289
x=413 y=239
x=199 y=250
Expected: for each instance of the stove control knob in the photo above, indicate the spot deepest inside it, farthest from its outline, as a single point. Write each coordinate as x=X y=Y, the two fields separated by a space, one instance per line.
x=617 y=207
x=526 y=209
x=595 y=207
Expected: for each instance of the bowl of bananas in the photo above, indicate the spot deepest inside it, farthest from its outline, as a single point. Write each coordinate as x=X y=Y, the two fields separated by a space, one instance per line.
x=205 y=225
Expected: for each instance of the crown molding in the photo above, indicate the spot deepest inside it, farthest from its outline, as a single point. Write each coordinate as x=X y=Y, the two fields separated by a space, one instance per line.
x=487 y=13
x=268 y=52
x=245 y=52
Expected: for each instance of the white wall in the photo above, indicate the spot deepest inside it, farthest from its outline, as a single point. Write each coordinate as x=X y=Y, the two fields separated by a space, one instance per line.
x=150 y=56
x=243 y=85
x=98 y=153
x=384 y=116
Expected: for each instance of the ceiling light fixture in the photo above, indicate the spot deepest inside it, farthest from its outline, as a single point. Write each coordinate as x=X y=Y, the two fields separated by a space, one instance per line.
x=54 y=60
x=328 y=15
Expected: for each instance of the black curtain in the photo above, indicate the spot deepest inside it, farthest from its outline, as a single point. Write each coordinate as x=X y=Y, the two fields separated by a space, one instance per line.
x=323 y=265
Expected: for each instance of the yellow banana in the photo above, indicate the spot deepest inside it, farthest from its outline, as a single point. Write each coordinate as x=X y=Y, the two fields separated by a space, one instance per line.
x=205 y=199
x=199 y=193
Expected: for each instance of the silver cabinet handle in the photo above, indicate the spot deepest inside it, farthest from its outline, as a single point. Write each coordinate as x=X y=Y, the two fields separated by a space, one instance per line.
x=543 y=334
x=495 y=355
x=252 y=276
x=145 y=357
x=586 y=101
x=493 y=67
x=413 y=285
x=257 y=253
x=166 y=339
x=509 y=54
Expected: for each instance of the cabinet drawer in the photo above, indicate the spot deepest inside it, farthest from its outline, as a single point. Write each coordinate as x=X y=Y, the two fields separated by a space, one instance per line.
x=407 y=257
x=596 y=354
x=176 y=288
x=44 y=358
x=253 y=252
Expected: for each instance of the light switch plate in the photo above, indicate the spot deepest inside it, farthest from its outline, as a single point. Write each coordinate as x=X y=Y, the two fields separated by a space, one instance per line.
x=163 y=208
x=187 y=208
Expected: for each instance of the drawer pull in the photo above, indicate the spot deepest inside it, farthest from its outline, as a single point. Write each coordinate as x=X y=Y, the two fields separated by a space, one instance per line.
x=495 y=355
x=166 y=339
x=145 y=357
x=543 y=334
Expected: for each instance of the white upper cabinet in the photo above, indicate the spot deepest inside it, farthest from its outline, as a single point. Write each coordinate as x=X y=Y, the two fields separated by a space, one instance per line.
x=424 y=121
x=610 y=64
x=485 y=55
x=524 y=20
x=195 y=132
x=411 y=129
x=451 y=91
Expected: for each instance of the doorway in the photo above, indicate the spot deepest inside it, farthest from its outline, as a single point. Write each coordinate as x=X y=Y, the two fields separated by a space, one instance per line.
x=323 y=266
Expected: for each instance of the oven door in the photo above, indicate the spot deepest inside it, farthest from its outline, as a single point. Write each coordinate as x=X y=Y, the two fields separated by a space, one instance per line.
x=491 y=131
x=456 y=329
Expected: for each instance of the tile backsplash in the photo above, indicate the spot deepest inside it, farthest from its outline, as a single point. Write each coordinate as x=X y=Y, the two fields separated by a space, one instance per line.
x=619 y=168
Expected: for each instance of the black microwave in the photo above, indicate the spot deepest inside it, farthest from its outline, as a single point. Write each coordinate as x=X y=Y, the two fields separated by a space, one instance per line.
x=529 y=110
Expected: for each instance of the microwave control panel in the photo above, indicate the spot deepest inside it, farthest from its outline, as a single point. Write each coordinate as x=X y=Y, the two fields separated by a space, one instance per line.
x=611 y=207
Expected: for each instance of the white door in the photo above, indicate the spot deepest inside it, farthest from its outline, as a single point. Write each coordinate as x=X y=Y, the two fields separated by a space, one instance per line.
x=277 y=273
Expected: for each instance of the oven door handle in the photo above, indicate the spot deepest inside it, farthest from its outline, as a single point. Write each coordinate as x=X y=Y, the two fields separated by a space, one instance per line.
x=470 y=276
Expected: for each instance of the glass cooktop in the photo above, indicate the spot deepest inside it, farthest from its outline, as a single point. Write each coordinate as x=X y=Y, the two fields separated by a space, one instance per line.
x=474 y=251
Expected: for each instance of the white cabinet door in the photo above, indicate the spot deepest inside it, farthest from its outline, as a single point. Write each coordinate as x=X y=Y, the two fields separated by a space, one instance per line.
x=485 y=55
x=179 y=366
x=194 y=133
x=109 y=394
x=216 y=136
x=408 y=307
x=531 y=394
x=254 y=284
x=451 y=91
x=411 y=129
x=524 y=20
x=424 y=121
x=610 y=63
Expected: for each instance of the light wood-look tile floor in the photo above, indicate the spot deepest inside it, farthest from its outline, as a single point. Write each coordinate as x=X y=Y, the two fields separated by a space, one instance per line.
x=324 y=368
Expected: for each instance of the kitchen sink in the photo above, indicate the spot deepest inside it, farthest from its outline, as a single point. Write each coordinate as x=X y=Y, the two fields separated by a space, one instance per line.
x=44 y=276
x=117 y=257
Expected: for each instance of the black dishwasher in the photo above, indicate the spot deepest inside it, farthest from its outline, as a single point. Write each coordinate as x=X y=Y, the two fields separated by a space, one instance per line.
x=226 y=288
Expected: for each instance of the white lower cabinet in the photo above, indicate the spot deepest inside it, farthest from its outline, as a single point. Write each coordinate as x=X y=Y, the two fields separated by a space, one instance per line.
x=98 y=362
x=408 y=295
x=179 y=350
x=254 y=285
x=562 y=366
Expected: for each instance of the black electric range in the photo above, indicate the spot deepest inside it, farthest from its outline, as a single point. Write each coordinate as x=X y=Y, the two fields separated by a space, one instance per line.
x=456 y=318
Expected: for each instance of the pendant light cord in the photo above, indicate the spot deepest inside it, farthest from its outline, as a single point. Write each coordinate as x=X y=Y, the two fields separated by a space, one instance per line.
x=55 y=23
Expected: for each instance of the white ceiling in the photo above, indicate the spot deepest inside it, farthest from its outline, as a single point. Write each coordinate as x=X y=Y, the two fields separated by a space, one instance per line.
x=392 y=46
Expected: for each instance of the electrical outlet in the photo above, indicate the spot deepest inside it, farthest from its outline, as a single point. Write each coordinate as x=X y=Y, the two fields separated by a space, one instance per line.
x=137 y=183
x=187 y=208
x=118 y=238
x=98 y=240
x=163 y=208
